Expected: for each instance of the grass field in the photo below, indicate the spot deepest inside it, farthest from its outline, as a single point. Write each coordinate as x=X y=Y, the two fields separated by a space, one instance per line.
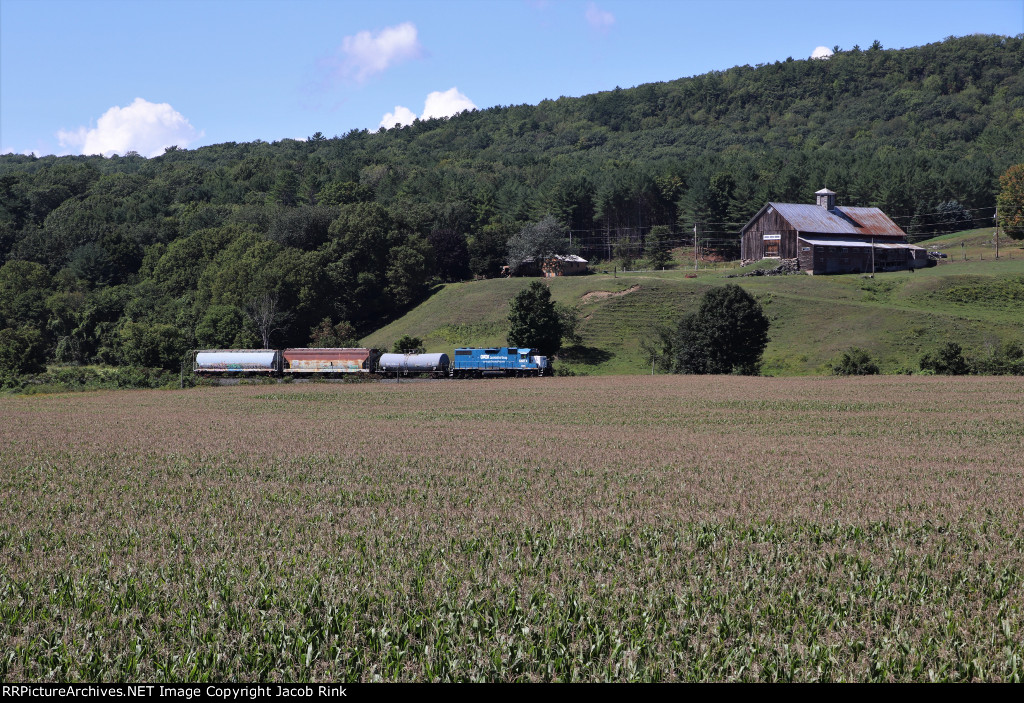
x=628 y=528
x=897 y=317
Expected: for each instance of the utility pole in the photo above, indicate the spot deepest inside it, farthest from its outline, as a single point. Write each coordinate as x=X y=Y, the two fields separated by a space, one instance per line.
x=696 y=244
x=997 y=231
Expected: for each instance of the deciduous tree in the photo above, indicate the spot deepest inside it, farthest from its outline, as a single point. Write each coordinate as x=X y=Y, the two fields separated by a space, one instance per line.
x=1010 y=201
x=726 y=334
x=533 y=320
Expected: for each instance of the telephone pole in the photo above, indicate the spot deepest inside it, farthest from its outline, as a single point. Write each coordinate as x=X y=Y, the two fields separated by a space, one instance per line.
x=997 y=231
x=696 y=243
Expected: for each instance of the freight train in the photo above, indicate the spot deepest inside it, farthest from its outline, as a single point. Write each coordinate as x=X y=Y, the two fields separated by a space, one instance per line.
x=468 y=362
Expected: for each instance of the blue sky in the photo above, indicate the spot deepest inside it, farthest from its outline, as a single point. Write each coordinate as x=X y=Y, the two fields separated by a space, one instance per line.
x=81 y=76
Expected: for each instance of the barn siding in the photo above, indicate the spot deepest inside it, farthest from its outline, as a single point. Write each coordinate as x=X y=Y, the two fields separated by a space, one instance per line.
x=806 y=257
x=752 y=244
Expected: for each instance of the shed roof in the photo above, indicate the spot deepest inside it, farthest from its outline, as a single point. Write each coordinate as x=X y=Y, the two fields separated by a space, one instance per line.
x=814 y=219
x=858 y=243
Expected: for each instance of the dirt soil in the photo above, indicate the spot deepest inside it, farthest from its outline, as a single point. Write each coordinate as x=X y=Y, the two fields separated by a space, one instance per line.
x=602 y=294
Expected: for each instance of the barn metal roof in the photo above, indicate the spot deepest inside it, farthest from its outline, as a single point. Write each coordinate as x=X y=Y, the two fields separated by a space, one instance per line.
x=814 y=219
x=857 y=243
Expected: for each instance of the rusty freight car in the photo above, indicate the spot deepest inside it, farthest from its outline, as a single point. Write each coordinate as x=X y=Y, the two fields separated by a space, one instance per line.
x=329 y=360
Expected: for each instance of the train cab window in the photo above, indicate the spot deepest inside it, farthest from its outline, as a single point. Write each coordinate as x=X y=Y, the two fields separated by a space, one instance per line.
x=512 y=350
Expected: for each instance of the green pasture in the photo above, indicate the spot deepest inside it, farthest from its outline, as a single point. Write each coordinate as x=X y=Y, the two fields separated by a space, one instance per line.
x=971 y=298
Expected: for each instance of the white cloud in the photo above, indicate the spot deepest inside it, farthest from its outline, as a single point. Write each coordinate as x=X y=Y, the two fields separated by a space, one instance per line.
x=450 y=102
x=822 y=52
x=366 y=53
x=145 y=127
x=401 y=115
x=438 y=104
x=599 y=19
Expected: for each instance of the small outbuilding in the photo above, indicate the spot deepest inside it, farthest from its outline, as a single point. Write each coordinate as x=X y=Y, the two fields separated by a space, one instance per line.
x=826 y=238
x=563 y=265
x=550 y=266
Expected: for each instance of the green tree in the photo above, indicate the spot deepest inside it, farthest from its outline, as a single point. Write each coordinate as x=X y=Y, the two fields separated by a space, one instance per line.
x=327 y=334
x=222 y=326
x=487 y=250
x=154 y=345
x=285 y=189
x=855 y=362
x=1010 y=201
x=343 y=193
x=726 y=334
x=657 y=247
x=536 y=241
x=22 y=350
x=24 y=287
x=948 y=361
x=657 y=350
x=533 y=320
x=451 y=254
x=407 y=345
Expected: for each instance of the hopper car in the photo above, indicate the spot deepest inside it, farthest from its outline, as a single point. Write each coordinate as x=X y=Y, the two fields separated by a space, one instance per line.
x=328 y=361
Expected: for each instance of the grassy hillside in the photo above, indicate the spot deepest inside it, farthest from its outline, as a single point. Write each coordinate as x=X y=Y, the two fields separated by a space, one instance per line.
x=896 y=316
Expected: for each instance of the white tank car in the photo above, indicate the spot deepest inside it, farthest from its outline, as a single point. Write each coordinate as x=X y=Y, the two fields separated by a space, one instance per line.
x=404 y=364
x=237 y=361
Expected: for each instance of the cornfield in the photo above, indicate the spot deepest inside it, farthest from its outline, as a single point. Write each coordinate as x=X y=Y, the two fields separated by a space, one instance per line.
x=570 y=529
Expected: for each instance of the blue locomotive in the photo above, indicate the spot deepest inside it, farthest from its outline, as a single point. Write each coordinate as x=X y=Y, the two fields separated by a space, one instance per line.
x=497 y=361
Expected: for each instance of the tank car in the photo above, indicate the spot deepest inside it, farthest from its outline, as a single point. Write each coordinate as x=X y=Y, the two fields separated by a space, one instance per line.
x=498 y=361
x=237 y=361
x=406 y=364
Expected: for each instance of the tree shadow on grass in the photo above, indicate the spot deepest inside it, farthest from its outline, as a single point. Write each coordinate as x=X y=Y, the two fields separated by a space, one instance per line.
x=582 y=354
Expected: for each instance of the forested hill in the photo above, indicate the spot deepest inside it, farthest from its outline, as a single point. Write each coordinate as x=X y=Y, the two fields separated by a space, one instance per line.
x=132 y=260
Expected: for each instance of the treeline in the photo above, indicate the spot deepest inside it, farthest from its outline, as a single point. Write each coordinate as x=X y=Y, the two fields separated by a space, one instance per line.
x=127 y=260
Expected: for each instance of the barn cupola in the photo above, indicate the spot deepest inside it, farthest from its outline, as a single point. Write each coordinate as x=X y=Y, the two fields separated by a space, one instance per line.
x=826 y=199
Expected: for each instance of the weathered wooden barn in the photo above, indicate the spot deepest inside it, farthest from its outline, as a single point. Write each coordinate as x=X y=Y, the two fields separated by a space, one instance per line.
x=826 y=238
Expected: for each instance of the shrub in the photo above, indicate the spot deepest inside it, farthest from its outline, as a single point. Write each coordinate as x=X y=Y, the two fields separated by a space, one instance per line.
x=948 y=361
x=855 y=362
x=407 y=345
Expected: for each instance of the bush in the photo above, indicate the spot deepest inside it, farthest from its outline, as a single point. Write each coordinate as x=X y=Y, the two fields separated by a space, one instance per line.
x=948 y=361
x=1006 y=360
x=407 y=345
x=855 y=362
